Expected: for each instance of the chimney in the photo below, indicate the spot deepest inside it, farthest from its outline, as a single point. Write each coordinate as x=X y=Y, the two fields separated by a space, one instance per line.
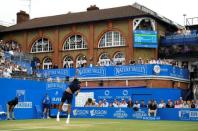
x=22 y=16
x=92 y=7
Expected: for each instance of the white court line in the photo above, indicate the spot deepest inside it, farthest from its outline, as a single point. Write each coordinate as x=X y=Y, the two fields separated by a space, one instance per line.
x=66 y=125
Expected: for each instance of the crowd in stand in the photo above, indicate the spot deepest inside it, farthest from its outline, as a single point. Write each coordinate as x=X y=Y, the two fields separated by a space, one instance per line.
x=7 y=67
x=131 y=62
x=142 y=104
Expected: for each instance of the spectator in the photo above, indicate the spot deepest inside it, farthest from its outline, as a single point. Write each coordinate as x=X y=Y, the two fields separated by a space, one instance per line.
x=115 y=103
x=193 y=104
x=130 y=103
x=136 y=106
x=142 y=105
x=162 y=104
x=46 y=106
x=123 y=103
x=170 y=104
x=105 y=103
x=177 y=104
x=100 y=103
x=185 y=105
x=10 y=108
x=152 y=108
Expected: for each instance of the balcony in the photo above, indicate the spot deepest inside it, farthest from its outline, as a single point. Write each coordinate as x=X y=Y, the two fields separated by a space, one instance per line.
x=189 y=37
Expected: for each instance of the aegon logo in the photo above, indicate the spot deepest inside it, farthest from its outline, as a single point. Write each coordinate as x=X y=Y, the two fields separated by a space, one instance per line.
x=80 y=112
x=98 y=112
x=107 y=92
x=125 y=92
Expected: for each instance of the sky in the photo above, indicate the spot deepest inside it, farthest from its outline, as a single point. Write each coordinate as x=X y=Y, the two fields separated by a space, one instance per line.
x=171 y=9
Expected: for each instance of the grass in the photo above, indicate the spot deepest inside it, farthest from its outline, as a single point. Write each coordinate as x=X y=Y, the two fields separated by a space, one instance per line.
x=97 y=125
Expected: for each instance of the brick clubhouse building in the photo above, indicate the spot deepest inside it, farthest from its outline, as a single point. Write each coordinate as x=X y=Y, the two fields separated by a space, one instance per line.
x=93 y=37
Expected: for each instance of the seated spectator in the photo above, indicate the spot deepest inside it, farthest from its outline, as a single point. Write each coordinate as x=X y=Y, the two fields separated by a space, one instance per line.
x=88 y=103
x=185 y=105
x=111 y=104
x=130 y=103
x=94 y=103
x=136 y=106
x=100 y=103
x=170 y=104
x=177 y=104
x=143 y=105
x=152 y=108
x=105 y=103
x=123 y=103
x=115 y=103
x=162 y=104
x=193 y=104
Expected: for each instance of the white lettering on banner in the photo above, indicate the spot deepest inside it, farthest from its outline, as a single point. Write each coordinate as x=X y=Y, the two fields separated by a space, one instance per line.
x=51 y=86
x=123 y=97
x=57 y=72
x=188 y=115
x=150 y=118
x=120 y=114
x=56 y=99
x=98 y=112
x=24 y=105
x=77 y=112
x=105 y=97
x=92 y=71
x=139 y=114
x=130 y=69
x=193 y=114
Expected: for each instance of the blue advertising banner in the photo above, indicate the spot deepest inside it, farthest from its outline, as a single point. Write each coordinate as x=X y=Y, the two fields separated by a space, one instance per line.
x=141 y=114
x=144 y=70
x=145 y=39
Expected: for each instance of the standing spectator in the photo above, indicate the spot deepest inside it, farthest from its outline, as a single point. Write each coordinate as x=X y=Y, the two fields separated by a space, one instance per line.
x=46 y=106
x=10 y=108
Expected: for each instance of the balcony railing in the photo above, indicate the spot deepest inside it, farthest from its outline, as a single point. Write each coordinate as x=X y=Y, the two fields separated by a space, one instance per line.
x=191 y=37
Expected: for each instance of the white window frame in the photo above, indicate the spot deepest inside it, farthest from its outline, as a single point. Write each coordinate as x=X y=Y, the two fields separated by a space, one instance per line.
x=68 y=60
x=119 y=57
x=111 y=39
x=78 y=43
x=81 y=60
x=41 y=45
x=47 y=64
x=104 y=60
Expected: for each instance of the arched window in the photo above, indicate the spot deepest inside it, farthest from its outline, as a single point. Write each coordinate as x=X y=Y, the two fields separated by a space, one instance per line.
x=81 y=61
x=41 y=45
x=104 y=60
x=68 y=62
x=47 y=63
x=12 y=46
x=119 y=59
x=75 y=42
x=111 y=39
